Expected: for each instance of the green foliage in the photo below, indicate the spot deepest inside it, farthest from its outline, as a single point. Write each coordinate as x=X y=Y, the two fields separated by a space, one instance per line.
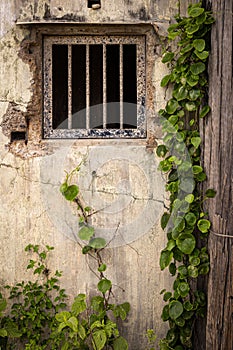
x=90 y=325
x=151 y=338
x=185 y=220
x=8 y=328
x=35 y=304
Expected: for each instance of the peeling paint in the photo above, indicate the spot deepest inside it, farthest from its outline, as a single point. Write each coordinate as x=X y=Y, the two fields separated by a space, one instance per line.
x=118 y=176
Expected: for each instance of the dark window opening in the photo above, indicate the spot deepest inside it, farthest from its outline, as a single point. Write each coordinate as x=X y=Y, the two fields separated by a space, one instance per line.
x=130 y=86
x=78 y=86
x=113 y=86
x=60 y=86
x=92 y=2
x=96 y=86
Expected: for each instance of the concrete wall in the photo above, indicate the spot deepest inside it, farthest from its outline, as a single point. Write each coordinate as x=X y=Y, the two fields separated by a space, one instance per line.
x=119 y=178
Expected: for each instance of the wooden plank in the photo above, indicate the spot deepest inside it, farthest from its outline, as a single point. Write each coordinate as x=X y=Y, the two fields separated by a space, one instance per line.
x=218 y=163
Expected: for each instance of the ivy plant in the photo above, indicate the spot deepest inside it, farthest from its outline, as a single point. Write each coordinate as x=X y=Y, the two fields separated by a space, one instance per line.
x=186 y=223
x=35 y=304
x=8 y=328
x=91 y=324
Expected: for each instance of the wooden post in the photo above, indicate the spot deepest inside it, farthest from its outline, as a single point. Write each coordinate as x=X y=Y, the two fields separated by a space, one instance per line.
x=218 y=163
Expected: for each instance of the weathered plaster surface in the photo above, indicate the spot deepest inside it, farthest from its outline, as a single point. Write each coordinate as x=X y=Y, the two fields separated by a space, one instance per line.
x=118 y=177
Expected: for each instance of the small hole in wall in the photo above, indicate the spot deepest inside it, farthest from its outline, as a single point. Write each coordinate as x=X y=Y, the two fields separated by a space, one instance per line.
x=93 y=2
x=18 y=135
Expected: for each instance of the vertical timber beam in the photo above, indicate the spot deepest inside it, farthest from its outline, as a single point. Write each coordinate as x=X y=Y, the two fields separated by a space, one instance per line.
x=218 y=163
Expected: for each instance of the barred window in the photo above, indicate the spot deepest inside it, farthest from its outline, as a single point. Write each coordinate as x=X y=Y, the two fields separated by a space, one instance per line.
x=94 y=86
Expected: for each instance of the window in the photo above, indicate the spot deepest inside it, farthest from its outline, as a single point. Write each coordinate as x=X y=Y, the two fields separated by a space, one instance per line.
x=94 y=86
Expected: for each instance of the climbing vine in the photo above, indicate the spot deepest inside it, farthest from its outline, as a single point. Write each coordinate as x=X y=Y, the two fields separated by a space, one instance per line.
x=91 y=326
x=186 y=223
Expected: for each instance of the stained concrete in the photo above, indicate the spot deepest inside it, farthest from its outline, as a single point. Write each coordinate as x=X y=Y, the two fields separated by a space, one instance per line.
x=118 y=177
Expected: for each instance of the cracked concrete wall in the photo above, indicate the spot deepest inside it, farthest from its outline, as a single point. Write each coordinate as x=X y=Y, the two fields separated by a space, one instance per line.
x=119 y=178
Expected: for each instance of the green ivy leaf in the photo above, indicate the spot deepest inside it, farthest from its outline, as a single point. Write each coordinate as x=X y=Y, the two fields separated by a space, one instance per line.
x=175 y=309
x=203 y=225
x=165 y=80
x=172 y=106
x=97 y=243
x=71 y=192
x=194 y=94
x=79 y=304
x=73 y=323
x=187 y=184
x=194 y=260
x=191 y=29
x=200 y=177
x=187 y=305
x=120 y=344
x=201 y=19
x=183 y=289
x=170 y=244
x=102 y=268
x=99 y=339
x=3 y=305
x=181 y=93
x=165 y=313
x=199 y=44
x=168 y=56
x=189 y=198
x=104 y=285
x=161 y=150
x=81 y=331
x=186 y=49
x=180 y=321
x=63 y=316
x=195 y=11
x=197 y=169
x=210 y=193
x=63 y=187
x=205 y=110
x=190 y=219
x=202 y=55
x=179 y=223
x=121 y=310
x=167 y=296
x=193 y=271
x=190 y=106
x=192 y=80
x=97 y=303
x=172 y=269
x=164 y=220
x=86 y=249
x=186 y=243
x=165 y=259
x=183 y=271
x=197 y=68
x=3 y=333
x=204 y=269
x=85 y=233
x=196 y=141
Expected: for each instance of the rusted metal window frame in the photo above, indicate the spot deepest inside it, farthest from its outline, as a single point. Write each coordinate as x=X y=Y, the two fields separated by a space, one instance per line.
x=69 y=40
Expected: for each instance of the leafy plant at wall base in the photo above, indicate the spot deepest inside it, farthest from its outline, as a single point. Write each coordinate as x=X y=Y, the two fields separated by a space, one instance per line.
x=35 y=304
x=185 y=220
x=91 y=325
x=8 y=329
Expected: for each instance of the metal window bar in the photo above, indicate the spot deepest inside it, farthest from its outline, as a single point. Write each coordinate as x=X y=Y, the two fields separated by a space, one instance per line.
x=87 y=86
x=69 y=86
x=121 y=86
x=104 y=87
